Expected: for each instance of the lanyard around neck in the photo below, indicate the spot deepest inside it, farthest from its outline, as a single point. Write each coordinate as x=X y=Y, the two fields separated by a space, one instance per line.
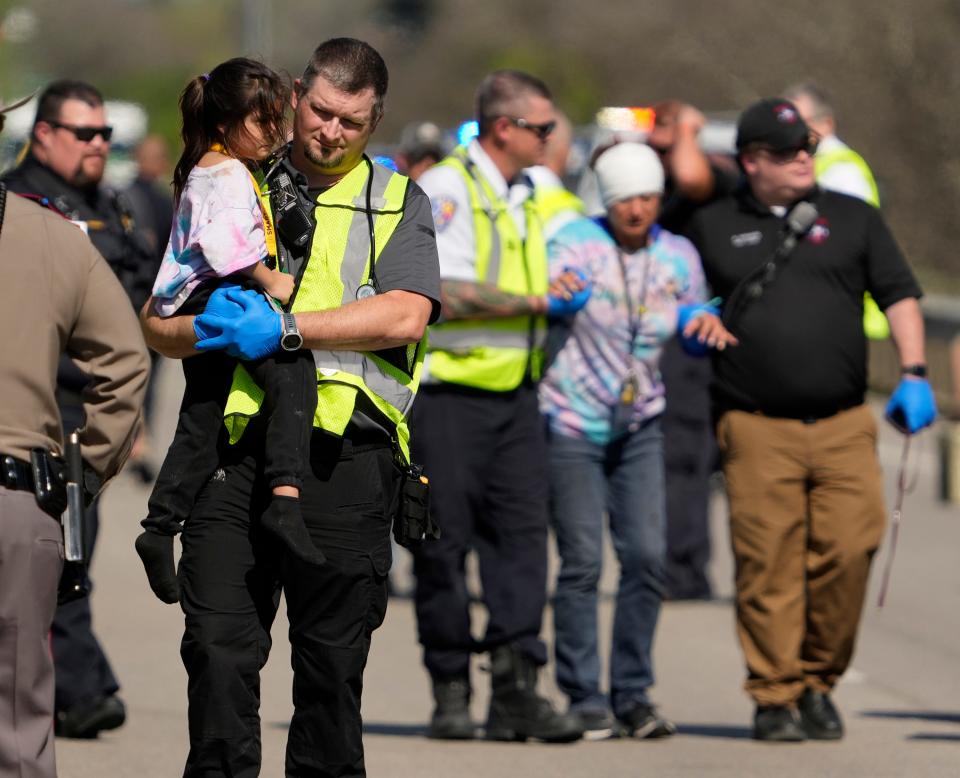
x=634 y=322
x=269 y=233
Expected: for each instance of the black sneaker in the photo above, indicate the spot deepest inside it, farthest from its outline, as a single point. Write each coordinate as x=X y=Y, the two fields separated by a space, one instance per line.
x=819 y=717
x=644 y=722
x=88 y=721
x=597 y=723
x=777 y=724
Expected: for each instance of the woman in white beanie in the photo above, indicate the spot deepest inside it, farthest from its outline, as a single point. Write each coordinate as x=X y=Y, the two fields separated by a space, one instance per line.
x=602 y=399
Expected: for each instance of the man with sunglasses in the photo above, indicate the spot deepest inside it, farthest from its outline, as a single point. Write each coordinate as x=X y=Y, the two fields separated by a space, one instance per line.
x=476 y=425
x=798 y=443
x=63 y=171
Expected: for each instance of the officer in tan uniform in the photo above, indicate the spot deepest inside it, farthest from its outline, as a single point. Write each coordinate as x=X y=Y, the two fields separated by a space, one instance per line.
x=58 y=296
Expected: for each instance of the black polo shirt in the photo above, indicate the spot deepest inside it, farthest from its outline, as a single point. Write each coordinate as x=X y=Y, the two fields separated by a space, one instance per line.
x=802 y=349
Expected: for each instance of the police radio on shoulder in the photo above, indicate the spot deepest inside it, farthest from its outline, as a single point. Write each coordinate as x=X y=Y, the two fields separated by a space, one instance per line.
x=290 y=338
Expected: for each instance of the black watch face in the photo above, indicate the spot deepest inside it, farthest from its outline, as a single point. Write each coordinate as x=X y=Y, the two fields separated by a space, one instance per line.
x=291 y=341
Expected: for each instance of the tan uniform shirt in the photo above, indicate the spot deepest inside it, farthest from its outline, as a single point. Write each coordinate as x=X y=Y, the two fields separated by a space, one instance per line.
x=57 y=294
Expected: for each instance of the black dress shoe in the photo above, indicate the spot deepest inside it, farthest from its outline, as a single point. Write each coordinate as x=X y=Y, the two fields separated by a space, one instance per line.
x=86 y=721
x=777 y=724
x=819 y=717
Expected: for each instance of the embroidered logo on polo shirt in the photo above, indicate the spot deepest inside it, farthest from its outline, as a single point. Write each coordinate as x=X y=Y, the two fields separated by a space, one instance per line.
x=744 y=239
x=444 y=209
x=820 y=231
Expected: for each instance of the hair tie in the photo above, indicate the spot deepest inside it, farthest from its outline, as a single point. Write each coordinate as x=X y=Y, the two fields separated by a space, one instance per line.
x=205 y=76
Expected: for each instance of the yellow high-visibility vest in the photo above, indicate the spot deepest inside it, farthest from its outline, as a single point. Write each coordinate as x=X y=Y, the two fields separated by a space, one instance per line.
x=338 y=265
x=494 y=354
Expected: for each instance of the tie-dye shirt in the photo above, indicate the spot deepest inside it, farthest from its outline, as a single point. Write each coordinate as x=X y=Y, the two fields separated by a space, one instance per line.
x=583 y=386
x=217 y=230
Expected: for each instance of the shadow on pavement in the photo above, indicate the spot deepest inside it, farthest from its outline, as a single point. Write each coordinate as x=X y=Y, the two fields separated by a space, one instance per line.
x=375 y=728
x=715 y=730
x=394 y=730
x=935 y=736
x=922 y=715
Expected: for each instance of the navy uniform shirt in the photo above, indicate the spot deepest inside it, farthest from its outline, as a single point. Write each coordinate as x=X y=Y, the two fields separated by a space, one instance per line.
x=802 y=349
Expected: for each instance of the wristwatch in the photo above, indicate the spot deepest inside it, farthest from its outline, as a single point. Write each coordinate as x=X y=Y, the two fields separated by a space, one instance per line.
x=920 y=371
x=290 y=337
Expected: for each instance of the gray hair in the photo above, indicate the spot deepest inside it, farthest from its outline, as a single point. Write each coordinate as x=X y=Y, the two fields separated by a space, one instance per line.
x=499 y=92
x=822 y=109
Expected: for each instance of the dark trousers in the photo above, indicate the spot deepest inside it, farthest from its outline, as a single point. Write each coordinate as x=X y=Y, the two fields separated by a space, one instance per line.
x=690 y=457
x=231 y=576
x=289 y=381
x=485 y=455
x=83 y=673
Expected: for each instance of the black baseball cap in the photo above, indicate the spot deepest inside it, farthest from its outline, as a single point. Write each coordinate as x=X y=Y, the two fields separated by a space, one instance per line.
x=775 y=123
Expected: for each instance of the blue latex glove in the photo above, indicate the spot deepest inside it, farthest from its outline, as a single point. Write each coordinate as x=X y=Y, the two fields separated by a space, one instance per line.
x=560 y=306
x=254 y=334
x=220 y=305
x=686 y=314
x=912 y=405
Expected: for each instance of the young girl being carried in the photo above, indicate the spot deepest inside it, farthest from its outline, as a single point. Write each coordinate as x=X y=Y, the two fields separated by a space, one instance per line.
x=233 y=118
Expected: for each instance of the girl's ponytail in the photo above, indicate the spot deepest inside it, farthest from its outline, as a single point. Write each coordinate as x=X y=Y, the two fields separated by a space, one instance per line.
x=214 y=109
x=196 y=142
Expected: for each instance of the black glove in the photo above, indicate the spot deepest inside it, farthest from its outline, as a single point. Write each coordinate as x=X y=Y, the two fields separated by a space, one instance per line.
x=156 y=553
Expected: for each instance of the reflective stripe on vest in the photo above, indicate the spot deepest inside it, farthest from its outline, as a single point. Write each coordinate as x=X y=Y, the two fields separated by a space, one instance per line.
x=338 y=265
x=494 y=354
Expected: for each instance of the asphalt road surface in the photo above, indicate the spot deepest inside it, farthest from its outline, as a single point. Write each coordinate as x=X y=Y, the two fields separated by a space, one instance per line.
x=901 y=699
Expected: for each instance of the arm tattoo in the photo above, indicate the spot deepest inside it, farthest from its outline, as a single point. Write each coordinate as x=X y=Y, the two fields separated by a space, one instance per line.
x=470 y=300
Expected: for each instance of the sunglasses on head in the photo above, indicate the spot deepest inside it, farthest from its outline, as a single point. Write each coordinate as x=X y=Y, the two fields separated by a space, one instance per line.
x=85 y=134
x=542 y=131
x=783 y=156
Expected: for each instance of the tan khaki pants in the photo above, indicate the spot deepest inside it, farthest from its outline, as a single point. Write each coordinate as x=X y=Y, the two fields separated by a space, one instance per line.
x=31 y=557
x=806 y=516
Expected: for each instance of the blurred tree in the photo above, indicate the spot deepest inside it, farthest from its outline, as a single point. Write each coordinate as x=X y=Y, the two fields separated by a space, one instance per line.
x=893 y=68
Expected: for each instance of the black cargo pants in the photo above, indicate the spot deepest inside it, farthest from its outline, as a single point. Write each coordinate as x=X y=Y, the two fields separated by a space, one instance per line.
x=231 y=575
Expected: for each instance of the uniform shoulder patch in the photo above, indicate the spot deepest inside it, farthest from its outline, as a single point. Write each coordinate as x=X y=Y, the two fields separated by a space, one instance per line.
x=444 y=209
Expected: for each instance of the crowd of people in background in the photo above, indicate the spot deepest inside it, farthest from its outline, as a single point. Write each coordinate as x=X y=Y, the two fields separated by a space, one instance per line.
x=551 y=368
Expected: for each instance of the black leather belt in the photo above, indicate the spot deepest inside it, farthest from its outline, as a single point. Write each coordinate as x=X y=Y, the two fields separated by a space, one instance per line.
x=15 y=474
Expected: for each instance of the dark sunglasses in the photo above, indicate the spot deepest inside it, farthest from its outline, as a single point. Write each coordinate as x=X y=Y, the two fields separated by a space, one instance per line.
x=785 y=156
x=542 y=131
x=85 y=134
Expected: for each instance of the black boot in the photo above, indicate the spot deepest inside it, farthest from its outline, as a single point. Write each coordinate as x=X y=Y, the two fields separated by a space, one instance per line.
x=517 y=712
x=451 y=715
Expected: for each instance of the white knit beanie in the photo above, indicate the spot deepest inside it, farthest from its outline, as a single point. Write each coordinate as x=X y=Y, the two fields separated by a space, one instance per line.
x=626 y=170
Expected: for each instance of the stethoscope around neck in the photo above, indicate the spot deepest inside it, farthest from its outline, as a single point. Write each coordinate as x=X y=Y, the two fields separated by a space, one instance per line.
x=371 y=288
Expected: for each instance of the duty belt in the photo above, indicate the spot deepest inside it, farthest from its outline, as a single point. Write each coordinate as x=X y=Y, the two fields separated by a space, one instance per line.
x=16 y=474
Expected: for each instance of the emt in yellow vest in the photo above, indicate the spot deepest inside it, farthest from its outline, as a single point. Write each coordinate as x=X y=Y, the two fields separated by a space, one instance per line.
x=476 y=426
x=363 y=252
x=841 y=169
